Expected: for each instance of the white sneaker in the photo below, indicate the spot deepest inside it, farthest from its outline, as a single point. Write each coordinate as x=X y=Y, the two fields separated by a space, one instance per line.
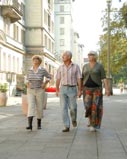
x=92 y=129
x=88 y=123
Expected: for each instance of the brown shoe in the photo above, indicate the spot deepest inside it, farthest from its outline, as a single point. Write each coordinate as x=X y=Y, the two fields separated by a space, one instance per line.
x=74 y=123
x=66 y=130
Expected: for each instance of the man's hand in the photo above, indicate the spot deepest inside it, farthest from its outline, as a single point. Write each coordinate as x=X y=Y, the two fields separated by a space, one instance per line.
x=57 y=93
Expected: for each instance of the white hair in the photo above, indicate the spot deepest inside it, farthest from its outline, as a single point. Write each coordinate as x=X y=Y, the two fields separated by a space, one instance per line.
x=69 y=53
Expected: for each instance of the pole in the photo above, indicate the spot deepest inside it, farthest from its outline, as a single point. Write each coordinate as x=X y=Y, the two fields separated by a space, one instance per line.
x=108 y=51
x=109 y=78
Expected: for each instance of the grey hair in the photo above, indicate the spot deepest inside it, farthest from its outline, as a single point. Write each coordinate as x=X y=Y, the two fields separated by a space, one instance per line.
x=69 y=53
x=93 y=53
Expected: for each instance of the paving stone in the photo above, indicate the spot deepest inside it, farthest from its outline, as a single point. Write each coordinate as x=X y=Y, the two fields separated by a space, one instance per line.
x=110 y=142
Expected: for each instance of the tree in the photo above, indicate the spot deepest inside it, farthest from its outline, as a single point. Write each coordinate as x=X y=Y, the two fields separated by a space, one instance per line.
x=118 y=39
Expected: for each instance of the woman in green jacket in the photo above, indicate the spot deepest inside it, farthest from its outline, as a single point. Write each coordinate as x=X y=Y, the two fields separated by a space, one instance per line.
x=93 y=74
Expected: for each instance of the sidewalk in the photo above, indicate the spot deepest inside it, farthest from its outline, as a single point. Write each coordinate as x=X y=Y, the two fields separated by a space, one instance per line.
x=110 y=142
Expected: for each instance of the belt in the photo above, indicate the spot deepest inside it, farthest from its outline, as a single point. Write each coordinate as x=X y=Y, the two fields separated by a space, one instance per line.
x=69 y=85
x=35 y=88
x=92 y=87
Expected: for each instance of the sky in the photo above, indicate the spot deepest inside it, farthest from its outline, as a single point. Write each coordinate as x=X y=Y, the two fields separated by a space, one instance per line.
x=87 y=15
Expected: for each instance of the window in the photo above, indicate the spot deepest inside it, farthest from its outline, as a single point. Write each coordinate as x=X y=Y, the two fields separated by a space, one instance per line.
x=9 y=63
x=5 y=62
x=45 y=41
x=15 y=32
x=45 y=17
x=49 y=45
x=49 y=19
x=18 y=70
x=61 y=8
x=52 y=27
x=23 y=36
x=61 y=31
x=0 y=58
x=14 y=64
x=23 y=9
x=61 y=42
x=61 y=20
x=7 y=26
x=52 y=47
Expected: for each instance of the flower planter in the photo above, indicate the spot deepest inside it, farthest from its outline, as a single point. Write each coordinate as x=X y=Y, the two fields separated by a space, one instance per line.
x=24 y=104
x=3 y=99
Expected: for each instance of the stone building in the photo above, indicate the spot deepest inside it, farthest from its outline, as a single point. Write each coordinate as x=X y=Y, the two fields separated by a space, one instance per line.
x=12 y=50
x=27 y=28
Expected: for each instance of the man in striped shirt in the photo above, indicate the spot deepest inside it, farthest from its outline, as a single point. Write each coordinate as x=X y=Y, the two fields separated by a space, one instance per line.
x=68 y=78
x=36 y=90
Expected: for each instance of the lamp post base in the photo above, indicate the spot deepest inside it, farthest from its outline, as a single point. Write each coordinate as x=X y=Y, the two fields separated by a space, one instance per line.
x=110 y=85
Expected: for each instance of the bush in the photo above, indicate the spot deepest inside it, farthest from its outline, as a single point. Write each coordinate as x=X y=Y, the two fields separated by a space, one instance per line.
x=4 y=87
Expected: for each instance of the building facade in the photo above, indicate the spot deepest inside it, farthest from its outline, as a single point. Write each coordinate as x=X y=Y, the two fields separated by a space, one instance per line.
x=65 y=36
x=27 y=28
x=63 y=26
x=12 y=48
x=39 y=37
x=77 y=50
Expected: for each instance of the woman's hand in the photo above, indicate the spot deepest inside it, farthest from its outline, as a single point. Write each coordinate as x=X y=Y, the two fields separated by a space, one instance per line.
x=28 y=85
x=43 y=85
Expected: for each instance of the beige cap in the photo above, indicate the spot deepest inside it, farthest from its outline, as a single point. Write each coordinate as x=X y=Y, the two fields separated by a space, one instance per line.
x=37 y=57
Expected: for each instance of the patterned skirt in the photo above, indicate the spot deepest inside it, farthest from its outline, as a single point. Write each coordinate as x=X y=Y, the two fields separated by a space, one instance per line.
x=93 y=103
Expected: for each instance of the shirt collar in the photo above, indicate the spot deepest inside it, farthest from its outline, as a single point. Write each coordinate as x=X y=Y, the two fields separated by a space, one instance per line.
x=69 y=65
x=38 y=68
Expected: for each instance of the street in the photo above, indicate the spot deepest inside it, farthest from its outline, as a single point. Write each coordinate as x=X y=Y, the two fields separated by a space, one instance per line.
x=110 y=142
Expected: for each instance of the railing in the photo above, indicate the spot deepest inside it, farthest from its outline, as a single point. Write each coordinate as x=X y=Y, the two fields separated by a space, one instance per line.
x=12 y=3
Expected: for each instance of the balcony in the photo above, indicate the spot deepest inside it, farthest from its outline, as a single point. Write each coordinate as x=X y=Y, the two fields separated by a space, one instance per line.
x=11 y=9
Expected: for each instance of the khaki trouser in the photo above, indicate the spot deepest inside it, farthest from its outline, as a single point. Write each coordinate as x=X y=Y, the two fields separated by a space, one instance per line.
x=45 y=101
x=35 y=102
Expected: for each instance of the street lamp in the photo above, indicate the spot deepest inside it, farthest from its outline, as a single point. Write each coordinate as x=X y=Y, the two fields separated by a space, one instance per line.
x=108 y=43
x=108 y=40
x=9 y=80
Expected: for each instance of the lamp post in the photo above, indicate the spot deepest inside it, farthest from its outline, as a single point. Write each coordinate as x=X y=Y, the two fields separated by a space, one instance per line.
x=108 y=44
x=9 y=76
x=108 y=41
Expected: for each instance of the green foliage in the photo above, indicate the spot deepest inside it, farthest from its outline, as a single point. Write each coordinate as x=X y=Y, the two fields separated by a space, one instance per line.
x=118 y=41
x=3 y=87
x=24 y=90
x=124 y=13
x=121 y=75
